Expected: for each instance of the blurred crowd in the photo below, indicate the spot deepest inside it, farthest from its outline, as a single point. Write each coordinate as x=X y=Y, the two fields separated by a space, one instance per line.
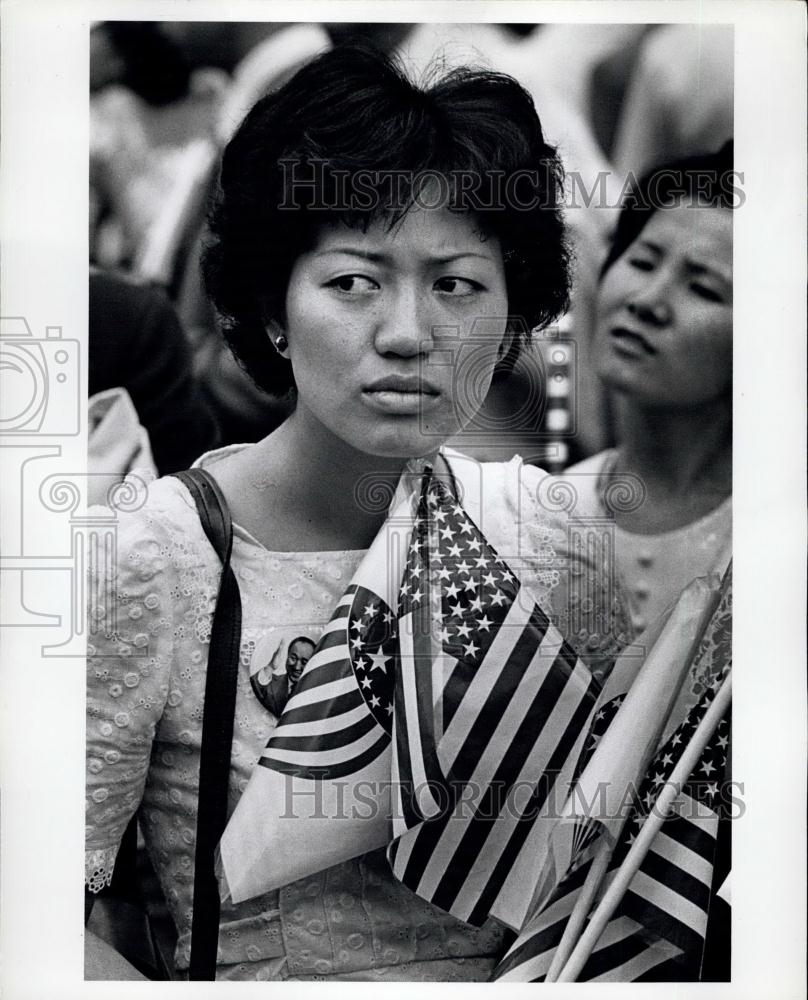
x=618 y=100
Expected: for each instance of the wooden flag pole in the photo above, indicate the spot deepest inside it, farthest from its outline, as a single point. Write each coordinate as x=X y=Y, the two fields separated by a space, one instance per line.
x=576 y=919
x=640 y=847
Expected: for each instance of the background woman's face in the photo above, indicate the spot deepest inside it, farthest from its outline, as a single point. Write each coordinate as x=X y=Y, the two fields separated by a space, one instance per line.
x=664 y=331
x=393 y=334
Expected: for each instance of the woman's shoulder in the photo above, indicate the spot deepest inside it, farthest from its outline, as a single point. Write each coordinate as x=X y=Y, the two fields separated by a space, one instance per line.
x=584 y=481
x=142 y=501
x=593 y=464
x=154 y=520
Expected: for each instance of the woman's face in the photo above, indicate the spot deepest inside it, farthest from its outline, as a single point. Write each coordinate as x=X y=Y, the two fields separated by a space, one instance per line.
x=664 y=329
x=394 y=333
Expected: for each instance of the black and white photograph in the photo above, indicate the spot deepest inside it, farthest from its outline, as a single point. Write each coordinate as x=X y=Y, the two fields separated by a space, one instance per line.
x=421 y=382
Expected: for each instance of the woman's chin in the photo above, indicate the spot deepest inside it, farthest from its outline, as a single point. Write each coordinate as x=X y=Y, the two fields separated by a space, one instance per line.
x=400 y=443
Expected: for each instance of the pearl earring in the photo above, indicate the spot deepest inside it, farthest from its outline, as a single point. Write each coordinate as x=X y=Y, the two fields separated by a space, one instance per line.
x=281 y=343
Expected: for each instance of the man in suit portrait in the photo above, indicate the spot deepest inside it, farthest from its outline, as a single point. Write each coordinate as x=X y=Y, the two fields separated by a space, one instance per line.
x=273 y=690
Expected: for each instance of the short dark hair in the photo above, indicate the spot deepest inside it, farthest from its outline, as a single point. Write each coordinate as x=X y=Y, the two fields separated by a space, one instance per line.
x=353 y=111
x=708 y=180
x=303 y=638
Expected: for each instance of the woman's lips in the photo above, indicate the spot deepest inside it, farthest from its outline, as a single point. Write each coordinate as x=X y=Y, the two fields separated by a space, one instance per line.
x=631 y=343
x=401 y=402
x=401 y=394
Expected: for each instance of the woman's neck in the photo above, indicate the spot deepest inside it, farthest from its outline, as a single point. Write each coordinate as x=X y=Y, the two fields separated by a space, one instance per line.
x=682 y=457
x=304 y=489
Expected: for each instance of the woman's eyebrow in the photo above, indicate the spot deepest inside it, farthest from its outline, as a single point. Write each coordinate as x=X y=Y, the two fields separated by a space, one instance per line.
x=458 y=255
x=353 y=252
x=377 y=257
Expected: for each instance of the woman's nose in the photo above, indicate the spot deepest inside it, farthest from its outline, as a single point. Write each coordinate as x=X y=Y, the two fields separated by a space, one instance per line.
x=404 y=327
x=651 y=301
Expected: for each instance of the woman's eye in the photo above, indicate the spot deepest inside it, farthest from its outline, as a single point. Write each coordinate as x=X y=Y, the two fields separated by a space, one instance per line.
x=705 y=292
x=457 y=286
x=353 y=283
x=641 y=263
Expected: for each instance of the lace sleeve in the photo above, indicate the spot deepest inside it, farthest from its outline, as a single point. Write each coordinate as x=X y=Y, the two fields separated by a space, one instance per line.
x=573 y=552
x=130 y=639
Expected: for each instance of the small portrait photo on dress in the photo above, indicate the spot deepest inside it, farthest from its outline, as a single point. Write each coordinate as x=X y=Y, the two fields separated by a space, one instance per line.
x=276 y=666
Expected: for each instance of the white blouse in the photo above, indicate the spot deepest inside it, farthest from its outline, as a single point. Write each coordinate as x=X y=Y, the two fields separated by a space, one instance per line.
x=655 y=569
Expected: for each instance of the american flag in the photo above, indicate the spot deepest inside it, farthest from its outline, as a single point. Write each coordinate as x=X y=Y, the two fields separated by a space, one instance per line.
x=463 y=695
x=658 y=931
x=340 y=716
x=490 y=701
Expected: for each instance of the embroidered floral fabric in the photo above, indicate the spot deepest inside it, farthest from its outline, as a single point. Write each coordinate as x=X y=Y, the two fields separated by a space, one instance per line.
x=149 y=623
x=654 y=569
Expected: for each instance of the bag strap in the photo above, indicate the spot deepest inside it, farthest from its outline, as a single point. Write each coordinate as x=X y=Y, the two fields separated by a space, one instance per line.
x=217 y=723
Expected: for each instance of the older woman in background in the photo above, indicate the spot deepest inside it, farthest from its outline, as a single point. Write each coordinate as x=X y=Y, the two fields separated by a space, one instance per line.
x=664 y=350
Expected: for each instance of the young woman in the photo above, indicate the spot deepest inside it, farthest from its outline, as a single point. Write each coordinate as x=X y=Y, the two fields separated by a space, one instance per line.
x=664 y=350
x=375 y=247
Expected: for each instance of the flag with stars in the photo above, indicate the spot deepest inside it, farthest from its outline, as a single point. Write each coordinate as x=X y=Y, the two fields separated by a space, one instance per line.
x=491 y=710
x=441 y=713
x=320 y=792
x=658 y=931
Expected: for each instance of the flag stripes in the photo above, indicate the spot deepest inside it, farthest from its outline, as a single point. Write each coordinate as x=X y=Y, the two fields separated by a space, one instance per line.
x=668 y=899
x=622 y=953
x=344 y=698
x=514 y=706
x=624 y=959
x=677 y=853
x=341 y=731
x=327 y=730
x=332 y=763
x=484 y=687
x=413 y=723
x=423 y=790
x=454 y=861
x=516 y=829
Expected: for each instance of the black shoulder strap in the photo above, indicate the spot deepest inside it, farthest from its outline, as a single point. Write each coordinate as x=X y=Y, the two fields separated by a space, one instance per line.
x=217 y=723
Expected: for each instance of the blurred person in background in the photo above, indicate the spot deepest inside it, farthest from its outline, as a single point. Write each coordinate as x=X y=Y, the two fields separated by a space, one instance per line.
x=679 y=98
x=664 y=351
x=148 y=104
x=137 y=345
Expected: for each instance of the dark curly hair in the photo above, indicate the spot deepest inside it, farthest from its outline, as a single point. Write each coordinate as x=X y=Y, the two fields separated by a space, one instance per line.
x=352 y=115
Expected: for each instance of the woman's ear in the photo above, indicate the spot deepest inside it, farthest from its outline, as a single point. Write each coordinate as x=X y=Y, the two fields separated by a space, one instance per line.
x=277 y=335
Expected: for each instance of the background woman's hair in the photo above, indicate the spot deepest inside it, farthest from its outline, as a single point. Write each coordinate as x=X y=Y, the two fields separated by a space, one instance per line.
x=708 y=180
x=349 y=113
